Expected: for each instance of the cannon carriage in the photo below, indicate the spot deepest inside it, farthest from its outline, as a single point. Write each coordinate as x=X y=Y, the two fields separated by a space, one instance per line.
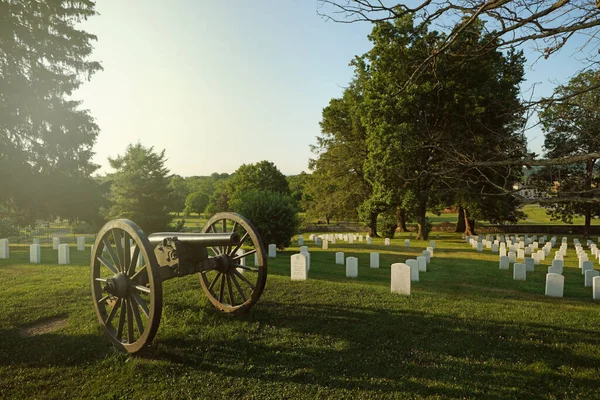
x=128 y=269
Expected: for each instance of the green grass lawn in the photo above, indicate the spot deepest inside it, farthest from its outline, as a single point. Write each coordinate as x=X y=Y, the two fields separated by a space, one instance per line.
x=467 y=331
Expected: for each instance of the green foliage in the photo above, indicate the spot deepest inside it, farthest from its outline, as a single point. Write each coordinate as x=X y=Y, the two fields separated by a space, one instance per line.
x=140 y=188
x=8 y=227
x=273 y=214
x=177 y=226
x=46 y=137
x=83 y=227
x=298 y=189
x=196 y=202
x=387 y=225
x=180 y=190
x=263 y=176
x=573 y=128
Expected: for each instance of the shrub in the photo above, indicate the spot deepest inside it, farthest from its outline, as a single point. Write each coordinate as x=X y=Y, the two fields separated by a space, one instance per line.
x=83 y=228
x=8 y=227
x=387 y=225
x=273 y=214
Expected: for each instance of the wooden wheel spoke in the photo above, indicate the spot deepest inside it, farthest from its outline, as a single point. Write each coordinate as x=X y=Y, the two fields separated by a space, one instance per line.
x=133 y=261
x=224 y=223
x=107 y=264
x=138 y=317
x=138 y=272
x=140 y=302
x=246 y=254
x=111 y=253
x=253 y=269
x=117 y=238
x=121 y=321
x=130 y=336
x=242 y=277
x=102 y=300
x=126 y=254
x=141 y=288
x=212 y=283
x=239 y=289
x=239 y=245
x=222 y=288
x=229 y=291
x=215 y=250
x=113 y=312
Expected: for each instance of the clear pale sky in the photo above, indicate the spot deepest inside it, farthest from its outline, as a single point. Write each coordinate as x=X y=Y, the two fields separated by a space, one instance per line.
x=221 y=83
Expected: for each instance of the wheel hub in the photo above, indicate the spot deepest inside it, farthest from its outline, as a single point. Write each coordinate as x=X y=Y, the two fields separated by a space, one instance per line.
x=118 y=285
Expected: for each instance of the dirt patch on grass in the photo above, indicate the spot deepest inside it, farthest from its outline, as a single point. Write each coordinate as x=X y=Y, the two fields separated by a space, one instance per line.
x=46 y=325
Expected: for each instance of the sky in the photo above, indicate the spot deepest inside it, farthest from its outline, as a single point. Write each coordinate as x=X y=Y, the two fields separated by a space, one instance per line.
x=217 y=84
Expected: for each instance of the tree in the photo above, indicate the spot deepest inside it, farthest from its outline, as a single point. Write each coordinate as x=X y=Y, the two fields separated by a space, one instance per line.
x=274 y=215
x=298 y=184
x=547 y=25
x=179 y=193
x=140 y=188
x=45 y=136
x=196 y=202
x=338 y=186
x=572 y=128
x=263 y=175
x=461 y=109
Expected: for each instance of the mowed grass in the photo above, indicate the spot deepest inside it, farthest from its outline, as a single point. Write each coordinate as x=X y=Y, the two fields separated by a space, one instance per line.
x=467 y=331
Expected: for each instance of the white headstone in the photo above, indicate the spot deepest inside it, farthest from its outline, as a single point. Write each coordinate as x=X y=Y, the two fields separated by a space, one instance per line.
x=255 y=260
x=351 y=267
x=298 y=267
x=555 y=284
x=586 y=266
x=519 y=272
x=63 y=254
x=4 y=249
x=559 y=264
x=422 y=263
x=504 y=264
x=427 y=256
x=495 y=248
x=414 y=269
x=503 y=252
x=407 y=242
x=351 y=239
x=536 y=259
x=55 y=243
x=339 y=258
x=303 y=249
x=512 y=257
x=401 y=277
x=241 y=260
x=596 y=288
x=521 y=254
x=34 y=254
x=529 y=264
x=432 y=244
x=369 y=240
x=80 y=243
x=479 y=246
x=300 y=241
x=325 y=244
x=374 y=260
x=387 y=241
x=554 y=270
x=590 y=274
x=272 y=250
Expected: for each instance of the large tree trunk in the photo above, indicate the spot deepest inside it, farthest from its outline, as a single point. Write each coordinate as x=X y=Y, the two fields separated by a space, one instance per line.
x=422 y=233
x=469 y=225
x=588 y=222
x=373 y=224
x=460 y=223
x=401 y=216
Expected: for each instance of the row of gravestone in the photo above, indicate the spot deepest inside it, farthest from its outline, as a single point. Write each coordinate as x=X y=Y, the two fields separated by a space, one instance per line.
x=35 y=250
x=402 y=274
x=554 y=277
x=327 y=239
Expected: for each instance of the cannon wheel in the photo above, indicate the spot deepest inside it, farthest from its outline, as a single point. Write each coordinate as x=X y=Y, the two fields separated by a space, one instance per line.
x=126 y=285
x=238 y=289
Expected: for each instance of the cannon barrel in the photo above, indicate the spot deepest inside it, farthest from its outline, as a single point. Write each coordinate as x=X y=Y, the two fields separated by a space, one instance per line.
x=201 y=239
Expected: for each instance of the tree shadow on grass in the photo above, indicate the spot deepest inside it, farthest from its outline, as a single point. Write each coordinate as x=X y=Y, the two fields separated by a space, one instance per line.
x=396 y=352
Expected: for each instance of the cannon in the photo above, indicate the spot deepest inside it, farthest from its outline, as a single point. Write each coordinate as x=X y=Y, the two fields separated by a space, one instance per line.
x=128 y=269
